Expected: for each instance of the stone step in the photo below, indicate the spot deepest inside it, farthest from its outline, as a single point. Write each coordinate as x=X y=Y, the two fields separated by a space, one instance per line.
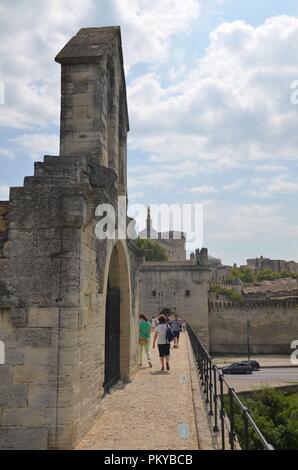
x=49 y=181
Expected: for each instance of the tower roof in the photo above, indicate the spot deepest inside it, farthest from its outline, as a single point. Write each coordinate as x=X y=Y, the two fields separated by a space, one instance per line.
x=89 y=44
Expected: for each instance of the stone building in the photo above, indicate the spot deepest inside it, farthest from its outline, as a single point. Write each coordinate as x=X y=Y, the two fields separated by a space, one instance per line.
x=276 y=265
x=68 y=300
x=178 y=286
x=173 y=242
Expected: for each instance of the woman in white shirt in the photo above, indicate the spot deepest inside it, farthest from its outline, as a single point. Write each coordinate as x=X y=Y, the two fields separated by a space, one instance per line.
x=163 y=345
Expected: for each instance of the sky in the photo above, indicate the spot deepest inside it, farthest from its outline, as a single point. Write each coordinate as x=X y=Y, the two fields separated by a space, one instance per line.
x=212 y=105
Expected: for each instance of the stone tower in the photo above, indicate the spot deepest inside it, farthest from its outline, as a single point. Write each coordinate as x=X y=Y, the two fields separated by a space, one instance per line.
x=94 y=115
x=60 y=284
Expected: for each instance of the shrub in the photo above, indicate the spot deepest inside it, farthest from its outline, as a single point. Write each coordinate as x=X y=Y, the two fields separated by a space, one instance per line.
x=152 y=250
x=276 y=415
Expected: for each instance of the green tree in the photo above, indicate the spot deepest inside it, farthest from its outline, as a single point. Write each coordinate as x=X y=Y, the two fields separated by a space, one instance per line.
x=152 y=250
x=232 y=295
x=276 y=415
x=244 y=273
x=267 y=275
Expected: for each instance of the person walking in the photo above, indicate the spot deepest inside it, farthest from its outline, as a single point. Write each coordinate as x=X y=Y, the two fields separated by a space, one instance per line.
x=176 y=326
x=144 y=338
x=163 y=344
x=153 y=323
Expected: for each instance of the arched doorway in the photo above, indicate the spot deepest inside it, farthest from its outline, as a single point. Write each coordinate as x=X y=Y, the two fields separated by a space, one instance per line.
x=112 y=338
x=117 y=319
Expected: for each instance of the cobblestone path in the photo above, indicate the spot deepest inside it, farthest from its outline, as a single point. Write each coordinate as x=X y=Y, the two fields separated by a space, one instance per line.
x=155 y=411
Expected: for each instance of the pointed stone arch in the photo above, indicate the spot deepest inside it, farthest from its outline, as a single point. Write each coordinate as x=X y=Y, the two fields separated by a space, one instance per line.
x=117 y=277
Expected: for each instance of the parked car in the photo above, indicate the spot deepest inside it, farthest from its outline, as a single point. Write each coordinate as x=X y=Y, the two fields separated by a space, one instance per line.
x=238 y=368
x=254 y=364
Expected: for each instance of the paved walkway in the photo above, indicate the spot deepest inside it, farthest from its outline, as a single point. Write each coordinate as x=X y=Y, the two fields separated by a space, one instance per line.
x=153 y=412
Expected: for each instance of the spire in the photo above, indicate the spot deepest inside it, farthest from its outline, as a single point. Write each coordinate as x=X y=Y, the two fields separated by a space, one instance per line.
x=149 y=223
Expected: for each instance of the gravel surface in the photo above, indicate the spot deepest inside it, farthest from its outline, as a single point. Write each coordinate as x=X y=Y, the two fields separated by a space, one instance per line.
x=155 y=411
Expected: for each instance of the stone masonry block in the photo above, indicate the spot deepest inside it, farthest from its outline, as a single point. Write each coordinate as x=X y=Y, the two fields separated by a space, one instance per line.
x=40 y=356
x=68 y=356
x=32 y=317
x=30 y=373
x=66 y=415
x=66 y=396
x=14 y=395
x=5 y=375
x=23 y=439
x=25 y=417
x=66 y=436
x=47 y=317
x=15 y=356
x=69 y=318
x=37 y=337
x=19 y=317
x=42 y=396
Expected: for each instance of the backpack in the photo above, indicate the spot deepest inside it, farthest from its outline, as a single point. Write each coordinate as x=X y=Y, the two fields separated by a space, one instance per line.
x=169 y=335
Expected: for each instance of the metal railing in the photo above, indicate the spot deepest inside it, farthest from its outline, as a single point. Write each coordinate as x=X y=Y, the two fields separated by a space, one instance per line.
x=224 y=405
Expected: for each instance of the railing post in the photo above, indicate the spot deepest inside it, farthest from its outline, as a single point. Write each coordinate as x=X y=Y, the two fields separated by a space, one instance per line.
x=222 y=413
x=200 y=359
x=210 y=386
x=232 y=421
x=202 y=368
x=203 y=373
x=245 y=429
x=206 y=378
x=215 y=427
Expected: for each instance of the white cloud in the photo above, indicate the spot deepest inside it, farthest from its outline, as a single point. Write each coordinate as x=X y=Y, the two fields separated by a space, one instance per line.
x=233 y=185
x=270 y=168
x=4 y=192
x=232 y=110
x=32 y=35
x=6 y=153
x=244 y=222
x=275 y=187
x=37 y=145
x=149 y=25
x=203 y=190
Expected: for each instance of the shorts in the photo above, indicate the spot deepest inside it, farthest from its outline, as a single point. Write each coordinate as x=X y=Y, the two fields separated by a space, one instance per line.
x=176 y=334
x=164 y=350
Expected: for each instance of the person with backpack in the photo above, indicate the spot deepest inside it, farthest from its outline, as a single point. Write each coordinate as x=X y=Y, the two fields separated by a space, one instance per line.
x=163 y=336
x=176 y=326
x=144 y=338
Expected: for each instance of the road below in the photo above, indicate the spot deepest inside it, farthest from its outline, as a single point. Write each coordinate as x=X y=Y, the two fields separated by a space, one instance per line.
x=273 y=377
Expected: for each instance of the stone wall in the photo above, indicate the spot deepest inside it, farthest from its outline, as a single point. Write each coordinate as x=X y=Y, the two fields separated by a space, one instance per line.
x=272 y=328
x=175 y=248
x=54 y=272
x=4 y=222
x=182 y=287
